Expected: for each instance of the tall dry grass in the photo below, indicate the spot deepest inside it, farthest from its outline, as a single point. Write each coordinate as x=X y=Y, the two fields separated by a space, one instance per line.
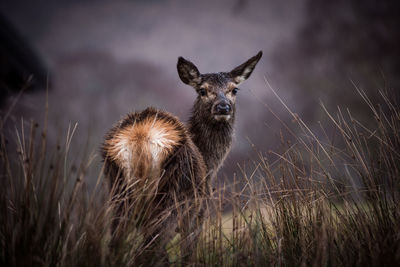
x=329 y=200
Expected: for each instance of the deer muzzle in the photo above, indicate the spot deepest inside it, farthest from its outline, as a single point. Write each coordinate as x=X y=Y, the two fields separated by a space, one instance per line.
x=222 y=109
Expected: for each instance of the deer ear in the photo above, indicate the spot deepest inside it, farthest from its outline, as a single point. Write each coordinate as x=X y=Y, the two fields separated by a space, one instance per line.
x=188 y=72
x=242 y=72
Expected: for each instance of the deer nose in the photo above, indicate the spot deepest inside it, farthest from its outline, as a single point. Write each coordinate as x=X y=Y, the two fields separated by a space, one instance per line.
x=223 y=108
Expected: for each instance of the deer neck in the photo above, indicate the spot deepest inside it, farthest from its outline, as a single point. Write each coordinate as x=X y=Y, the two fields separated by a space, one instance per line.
x=213 y=139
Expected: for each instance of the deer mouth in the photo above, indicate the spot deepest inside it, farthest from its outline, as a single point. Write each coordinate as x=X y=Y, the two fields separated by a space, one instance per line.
x=222 y=117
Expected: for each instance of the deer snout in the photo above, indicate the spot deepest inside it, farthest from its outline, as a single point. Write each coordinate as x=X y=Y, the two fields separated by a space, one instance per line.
x=223 y=108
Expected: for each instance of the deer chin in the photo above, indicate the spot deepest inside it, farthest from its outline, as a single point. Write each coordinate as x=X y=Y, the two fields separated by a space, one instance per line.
x=222 y=117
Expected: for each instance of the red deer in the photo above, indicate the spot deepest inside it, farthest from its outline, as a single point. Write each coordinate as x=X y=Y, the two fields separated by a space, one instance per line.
x=152 y=153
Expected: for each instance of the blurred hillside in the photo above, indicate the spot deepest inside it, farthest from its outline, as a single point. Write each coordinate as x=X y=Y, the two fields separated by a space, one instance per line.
x=342 y=42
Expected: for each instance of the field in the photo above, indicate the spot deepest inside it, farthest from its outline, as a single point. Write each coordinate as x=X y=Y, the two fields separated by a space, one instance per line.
x=325 y=201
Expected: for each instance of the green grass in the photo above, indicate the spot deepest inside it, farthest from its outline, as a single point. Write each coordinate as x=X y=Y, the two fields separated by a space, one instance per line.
x=320 y=201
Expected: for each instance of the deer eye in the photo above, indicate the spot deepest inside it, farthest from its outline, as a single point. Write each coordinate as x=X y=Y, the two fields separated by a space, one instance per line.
x=202 y=92
x=235 y=91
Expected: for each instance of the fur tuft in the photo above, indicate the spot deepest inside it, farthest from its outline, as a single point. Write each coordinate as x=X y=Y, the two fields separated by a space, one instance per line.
x=141 y=142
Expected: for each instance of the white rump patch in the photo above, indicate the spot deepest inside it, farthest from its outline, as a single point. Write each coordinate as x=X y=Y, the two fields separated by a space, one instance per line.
x=124 y=153
x=159 y=140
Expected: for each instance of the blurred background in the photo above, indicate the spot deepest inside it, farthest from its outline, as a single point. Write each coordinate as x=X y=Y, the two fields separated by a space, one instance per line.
x=101 y=59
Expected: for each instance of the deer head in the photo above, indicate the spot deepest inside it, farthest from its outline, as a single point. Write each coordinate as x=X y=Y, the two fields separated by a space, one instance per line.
x=216 y=91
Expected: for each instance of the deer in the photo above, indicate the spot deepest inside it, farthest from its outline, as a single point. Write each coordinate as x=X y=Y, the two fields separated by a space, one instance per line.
x=153 y=154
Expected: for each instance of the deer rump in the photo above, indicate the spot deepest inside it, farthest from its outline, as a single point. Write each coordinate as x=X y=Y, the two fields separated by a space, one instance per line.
x=150 y=156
